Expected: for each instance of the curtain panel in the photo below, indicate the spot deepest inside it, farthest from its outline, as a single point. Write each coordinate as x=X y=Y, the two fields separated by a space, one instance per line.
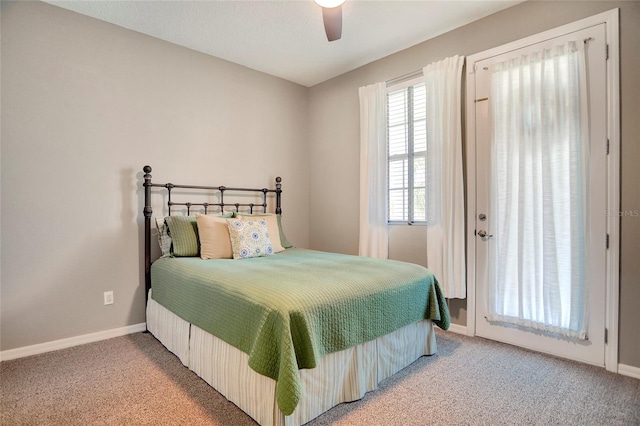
x=445 y=187
x=374 y=234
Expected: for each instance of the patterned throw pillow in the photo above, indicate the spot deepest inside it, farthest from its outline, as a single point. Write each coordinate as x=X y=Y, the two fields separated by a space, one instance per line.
x=272 y=227
x=249 y=238
x=164 y=240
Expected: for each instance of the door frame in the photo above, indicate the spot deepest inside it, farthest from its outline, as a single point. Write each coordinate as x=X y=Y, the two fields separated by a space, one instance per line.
x=612 y=304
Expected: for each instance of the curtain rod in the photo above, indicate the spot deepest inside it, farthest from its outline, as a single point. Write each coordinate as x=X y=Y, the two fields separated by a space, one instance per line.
x=408 y=76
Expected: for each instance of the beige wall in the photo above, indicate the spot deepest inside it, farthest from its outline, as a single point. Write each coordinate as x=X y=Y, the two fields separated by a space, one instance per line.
x=85 y=105
x=334 y=140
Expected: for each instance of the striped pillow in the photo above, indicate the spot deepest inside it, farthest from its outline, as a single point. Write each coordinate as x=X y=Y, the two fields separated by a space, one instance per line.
x=184 y=235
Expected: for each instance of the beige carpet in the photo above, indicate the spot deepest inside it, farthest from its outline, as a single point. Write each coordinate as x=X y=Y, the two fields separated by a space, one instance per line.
x=133 y=380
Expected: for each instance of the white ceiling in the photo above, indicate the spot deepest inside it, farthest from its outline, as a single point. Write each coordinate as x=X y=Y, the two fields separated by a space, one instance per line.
x=286 y=38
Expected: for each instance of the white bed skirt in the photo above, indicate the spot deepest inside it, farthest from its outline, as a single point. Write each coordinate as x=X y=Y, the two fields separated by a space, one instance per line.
x=339 y=377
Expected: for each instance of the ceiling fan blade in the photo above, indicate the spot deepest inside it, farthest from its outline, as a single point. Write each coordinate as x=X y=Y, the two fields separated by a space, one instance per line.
x=332 y=18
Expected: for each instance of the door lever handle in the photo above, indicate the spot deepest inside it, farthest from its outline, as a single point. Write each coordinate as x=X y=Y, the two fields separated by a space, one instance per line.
x=484 y=234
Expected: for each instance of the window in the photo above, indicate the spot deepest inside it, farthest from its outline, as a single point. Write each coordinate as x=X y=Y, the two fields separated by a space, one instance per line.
x=407 y=150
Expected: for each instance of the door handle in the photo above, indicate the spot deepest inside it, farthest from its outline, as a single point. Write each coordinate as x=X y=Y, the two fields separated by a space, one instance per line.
x=484 y=234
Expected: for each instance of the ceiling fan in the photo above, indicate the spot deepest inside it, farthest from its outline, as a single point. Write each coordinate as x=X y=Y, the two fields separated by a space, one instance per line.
x=332 y=17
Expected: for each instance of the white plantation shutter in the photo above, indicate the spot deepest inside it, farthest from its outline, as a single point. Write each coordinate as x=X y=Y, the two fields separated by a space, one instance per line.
x=407 y=147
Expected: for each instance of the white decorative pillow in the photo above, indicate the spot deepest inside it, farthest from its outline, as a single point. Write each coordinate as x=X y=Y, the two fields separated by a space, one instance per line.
x=272 y=226
x=164 y=239
x=215 y=242
x=249 y=238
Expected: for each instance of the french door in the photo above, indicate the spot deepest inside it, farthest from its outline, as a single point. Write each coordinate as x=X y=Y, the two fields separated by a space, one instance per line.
x=541 y=196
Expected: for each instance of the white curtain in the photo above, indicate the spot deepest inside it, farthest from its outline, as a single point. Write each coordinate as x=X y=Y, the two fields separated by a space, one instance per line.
x=374 y=235
x=445 y=189
x=539 y=191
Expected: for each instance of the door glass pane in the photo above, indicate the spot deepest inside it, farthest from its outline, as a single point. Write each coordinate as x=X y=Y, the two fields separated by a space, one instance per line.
x=538 y=193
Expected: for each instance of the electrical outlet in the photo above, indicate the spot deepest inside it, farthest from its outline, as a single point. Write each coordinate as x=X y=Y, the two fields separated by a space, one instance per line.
x=108 y=297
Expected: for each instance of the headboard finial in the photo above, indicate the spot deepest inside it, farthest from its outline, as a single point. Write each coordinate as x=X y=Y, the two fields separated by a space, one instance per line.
x=278 y=195
x=147 y=191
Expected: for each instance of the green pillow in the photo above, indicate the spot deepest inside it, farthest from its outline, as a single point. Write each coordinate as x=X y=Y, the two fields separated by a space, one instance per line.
x=184 y=235
x=283 y=239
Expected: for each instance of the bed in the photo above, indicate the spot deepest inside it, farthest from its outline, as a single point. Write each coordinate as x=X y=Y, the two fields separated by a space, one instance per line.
x=285 y=333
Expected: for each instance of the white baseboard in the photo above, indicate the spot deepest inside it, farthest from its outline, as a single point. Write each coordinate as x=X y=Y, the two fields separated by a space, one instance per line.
x=458 y=328
x=71 y=341
x=628 y=370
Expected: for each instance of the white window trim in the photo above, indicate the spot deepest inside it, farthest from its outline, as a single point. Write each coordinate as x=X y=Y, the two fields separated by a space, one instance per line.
x=405 y=83
x=611 y=19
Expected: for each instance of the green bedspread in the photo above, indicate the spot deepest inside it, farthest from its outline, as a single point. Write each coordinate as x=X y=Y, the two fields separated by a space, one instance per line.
x=287 y=311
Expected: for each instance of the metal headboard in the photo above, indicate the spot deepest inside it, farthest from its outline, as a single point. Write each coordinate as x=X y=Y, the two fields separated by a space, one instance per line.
x=215 y=190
